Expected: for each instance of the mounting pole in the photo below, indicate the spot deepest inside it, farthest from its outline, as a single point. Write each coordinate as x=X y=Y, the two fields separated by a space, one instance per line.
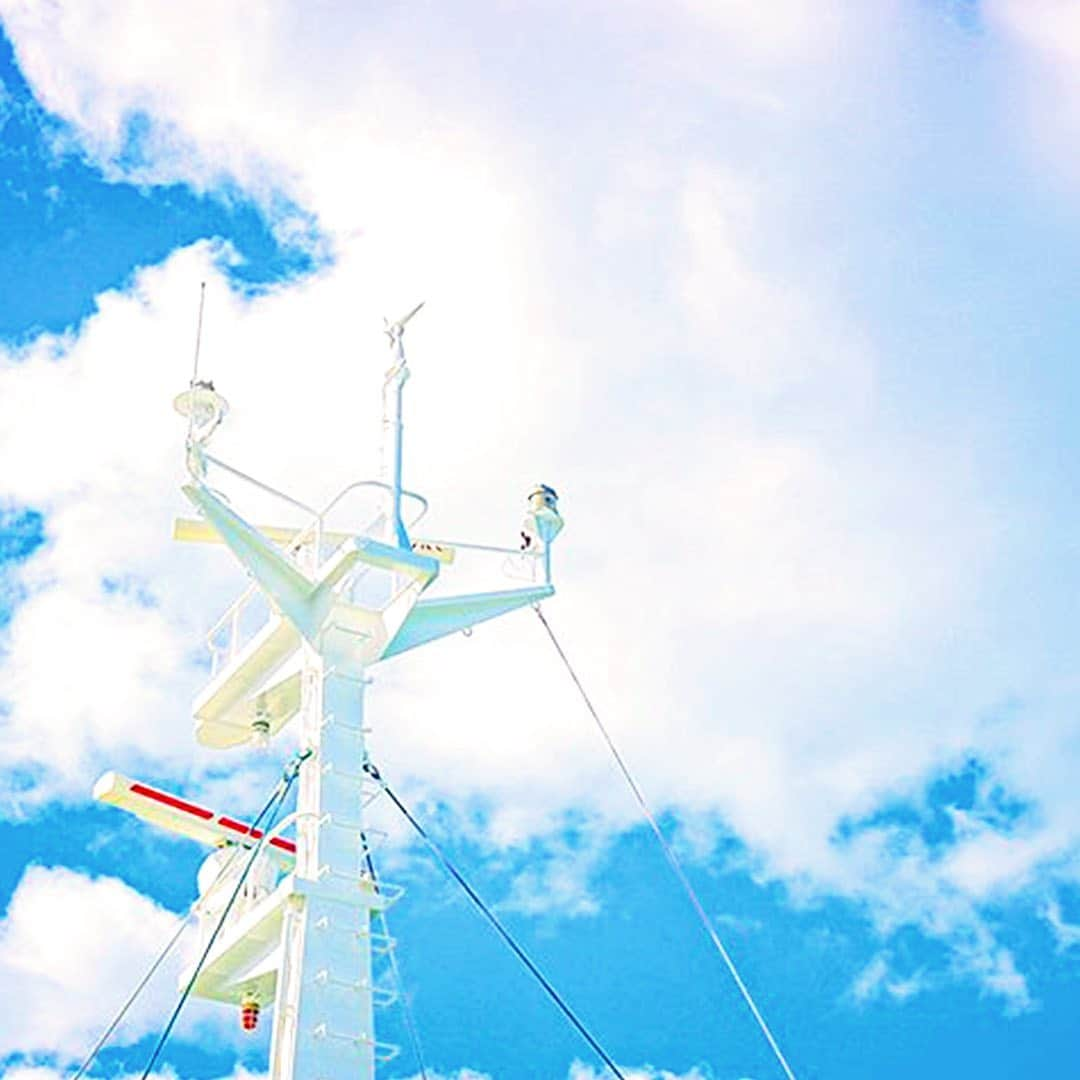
x=393 y=425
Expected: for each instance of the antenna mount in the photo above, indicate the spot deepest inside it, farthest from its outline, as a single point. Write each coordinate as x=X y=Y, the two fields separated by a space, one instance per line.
x=203 y=407
x=396 y=330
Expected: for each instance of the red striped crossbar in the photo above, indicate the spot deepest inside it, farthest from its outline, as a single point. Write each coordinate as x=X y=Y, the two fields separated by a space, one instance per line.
x=181 y=816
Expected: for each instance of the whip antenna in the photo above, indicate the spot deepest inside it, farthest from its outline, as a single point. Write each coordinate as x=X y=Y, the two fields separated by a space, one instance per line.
x=198 y=349
x=201 y=404
x=198 y=332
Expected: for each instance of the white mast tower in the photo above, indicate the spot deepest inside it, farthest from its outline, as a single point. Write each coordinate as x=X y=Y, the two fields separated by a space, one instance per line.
x=338 y=602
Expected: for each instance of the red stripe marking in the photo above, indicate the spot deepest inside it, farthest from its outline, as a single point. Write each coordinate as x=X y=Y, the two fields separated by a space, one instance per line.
x=239 y=826
x=255 y=834
x=171 y=800
x=166 y=799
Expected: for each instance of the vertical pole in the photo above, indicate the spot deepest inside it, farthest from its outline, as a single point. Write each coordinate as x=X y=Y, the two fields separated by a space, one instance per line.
x=394 y=430
x=399 y=435
x=323 y=1023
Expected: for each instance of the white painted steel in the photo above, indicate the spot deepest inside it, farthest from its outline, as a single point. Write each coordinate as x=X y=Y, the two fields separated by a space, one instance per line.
x=324 y=1024
x=338 y=603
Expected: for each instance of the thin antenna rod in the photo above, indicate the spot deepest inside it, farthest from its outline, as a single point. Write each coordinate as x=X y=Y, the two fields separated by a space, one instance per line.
x=195 y=365
x=198 y=334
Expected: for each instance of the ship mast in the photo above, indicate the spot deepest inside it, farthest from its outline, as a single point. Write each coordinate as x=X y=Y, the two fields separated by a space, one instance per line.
x=303 y=938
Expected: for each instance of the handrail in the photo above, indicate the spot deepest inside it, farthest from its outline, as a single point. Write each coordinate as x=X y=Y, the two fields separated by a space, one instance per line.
x=228 y=614
x=486 y=547
x=258 y=483
x=383 y=486
x=311 y=532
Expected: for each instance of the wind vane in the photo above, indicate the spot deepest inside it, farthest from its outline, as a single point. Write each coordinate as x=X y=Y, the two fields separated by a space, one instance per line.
x=300 y=935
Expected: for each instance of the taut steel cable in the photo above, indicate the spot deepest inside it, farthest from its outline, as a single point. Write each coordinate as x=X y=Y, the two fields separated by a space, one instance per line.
x=501 y=930
x=272 y=808
x=669 y=854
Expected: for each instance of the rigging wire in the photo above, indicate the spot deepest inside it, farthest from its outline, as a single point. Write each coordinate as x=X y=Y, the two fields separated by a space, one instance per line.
x=395 y=971
x=261 y=486
x=271 y=808
x=501 y=930
x=181 y=925
x=669 y=853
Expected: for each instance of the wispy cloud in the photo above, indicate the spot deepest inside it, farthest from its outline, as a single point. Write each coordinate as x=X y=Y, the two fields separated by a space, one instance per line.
x=879 y=979
x=1067 y=934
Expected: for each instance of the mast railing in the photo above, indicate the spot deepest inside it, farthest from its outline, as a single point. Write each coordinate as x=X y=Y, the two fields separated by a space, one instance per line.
x=227 y=637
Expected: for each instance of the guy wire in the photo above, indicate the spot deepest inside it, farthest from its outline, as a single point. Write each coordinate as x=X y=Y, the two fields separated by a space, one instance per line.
x=669 y=854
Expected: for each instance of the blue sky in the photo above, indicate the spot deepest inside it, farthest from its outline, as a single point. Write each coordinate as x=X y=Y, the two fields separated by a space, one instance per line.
x=59 y=210
x=782 y=300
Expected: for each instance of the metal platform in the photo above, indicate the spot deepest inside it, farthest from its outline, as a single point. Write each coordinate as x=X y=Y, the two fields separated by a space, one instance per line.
x=251 y=688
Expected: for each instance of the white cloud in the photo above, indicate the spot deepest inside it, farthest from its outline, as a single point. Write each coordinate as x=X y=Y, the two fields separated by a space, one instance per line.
x=71 y=950
x=558 y=878
x=987 y=863
x=1042 y=39
x=763 y=331
x=994 y=967
x=878 y=979
x=870 y=979
x=580 y=1071
x=1067 y=934
x=769 y=584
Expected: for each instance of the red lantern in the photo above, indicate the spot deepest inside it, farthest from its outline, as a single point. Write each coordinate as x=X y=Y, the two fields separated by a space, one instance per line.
x=249 y=1014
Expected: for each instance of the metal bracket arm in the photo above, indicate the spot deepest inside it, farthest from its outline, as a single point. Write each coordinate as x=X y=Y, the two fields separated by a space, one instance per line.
x=431 y=619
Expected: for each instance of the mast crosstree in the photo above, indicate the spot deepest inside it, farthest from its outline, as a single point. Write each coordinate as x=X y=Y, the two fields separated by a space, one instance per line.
x=302 y=936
